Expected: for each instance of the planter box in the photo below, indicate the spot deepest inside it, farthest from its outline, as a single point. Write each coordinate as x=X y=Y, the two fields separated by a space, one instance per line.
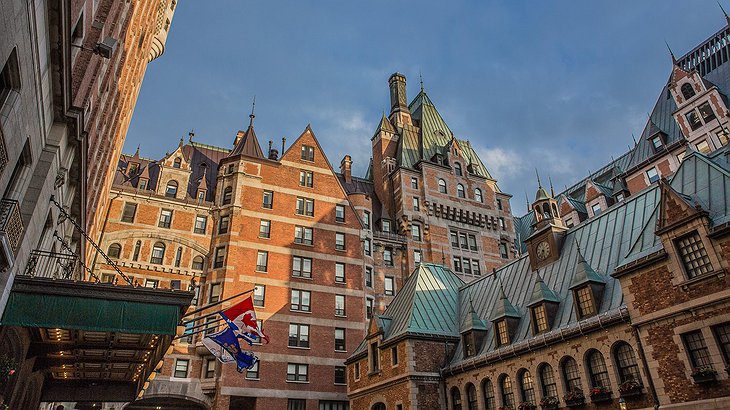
x=600 y=398
x=632 y=393
x=575 y=403
x=703 y=379
x=550 y=407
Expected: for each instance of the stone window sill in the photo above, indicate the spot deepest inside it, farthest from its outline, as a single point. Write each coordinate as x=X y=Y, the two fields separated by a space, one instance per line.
x=692 y=283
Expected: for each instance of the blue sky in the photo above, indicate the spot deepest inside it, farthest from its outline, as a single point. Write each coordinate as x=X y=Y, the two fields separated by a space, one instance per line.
x=559 y=85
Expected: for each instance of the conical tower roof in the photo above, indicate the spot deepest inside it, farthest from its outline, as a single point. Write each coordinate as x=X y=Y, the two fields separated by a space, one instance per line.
x=248 y=145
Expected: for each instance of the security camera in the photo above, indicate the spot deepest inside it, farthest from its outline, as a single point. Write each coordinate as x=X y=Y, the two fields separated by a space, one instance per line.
x=106 y=48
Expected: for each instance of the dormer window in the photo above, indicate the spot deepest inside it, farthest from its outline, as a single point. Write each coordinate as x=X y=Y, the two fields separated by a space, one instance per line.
x=132 y=169
x=142 y=184
x=539 y=319
x=687 y=91
x=502 y=332
x=201 y=195
x=385 y=223
x=457 y=169
x=469 y=344
x=584 y=301
x=177 y=162
x=694 y=255
x=657 y=143
x=171 y=189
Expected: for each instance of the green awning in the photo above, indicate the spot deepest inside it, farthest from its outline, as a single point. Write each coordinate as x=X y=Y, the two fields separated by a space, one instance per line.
x=91 y=314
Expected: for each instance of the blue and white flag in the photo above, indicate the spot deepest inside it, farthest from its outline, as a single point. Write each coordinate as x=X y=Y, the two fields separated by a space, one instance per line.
x=225 y=347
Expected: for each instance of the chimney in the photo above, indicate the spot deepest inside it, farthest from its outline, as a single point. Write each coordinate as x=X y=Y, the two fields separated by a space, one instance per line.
x=398 y=100
x=239 y=135
x=273 y=153
x=346 y=168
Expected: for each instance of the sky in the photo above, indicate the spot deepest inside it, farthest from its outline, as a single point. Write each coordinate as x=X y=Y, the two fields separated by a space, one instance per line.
x=560 y=86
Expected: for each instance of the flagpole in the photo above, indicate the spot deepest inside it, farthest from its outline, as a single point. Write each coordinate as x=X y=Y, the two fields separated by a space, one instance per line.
x=214 y=304
x=195 y=332
x=201 y=325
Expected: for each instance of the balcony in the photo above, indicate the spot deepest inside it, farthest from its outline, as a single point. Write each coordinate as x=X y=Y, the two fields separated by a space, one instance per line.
x=51 y=265
x=11 y=224
x=389 y=236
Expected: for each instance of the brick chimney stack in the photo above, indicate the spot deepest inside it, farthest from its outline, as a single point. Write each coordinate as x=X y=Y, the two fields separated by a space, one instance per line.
x=346 y=168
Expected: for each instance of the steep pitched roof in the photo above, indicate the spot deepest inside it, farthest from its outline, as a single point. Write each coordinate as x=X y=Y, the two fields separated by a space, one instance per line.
x=248 y=145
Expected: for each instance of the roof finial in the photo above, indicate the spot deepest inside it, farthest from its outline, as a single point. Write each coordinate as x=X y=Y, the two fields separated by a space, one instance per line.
x=671 y=53
x=191 y=134
x=727 y=18
x=634 y=138
x=527 y=201
x=420 y=79
x=499 y=280
x=552 y=191
x=539 y=184
x=252 y=116
x=136 y=153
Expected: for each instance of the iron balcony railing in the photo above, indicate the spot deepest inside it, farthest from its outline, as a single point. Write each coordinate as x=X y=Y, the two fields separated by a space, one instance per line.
x=390 y=236
x=11 y=224
x=52 y=265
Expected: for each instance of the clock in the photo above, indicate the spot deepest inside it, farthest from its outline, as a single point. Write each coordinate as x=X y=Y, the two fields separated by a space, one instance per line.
x=543 y=250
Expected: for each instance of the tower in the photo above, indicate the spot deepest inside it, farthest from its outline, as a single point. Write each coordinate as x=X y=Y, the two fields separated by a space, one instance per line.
x=544 y=244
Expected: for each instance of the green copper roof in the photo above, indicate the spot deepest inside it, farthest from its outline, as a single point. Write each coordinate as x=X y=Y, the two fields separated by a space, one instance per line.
x=584 y=273
x=541 y=194
x=542 y=293
x=385 y=125
x=504 y=308
x=473 y=321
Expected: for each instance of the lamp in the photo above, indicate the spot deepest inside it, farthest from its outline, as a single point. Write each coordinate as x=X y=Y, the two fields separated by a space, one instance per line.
x=622 y=404
x=105 y=49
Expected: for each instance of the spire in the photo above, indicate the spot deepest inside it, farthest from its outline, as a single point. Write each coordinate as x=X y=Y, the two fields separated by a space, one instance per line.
x=541 y=292
x=252 y=116
x=180 y=145
x=552 y=191
x=420 y=79
x=527 y=201
x=503 y=308
x=671 y=53
x=473 y=321
x=727 y=18
x=539 y=184
x=136 y=153
x=541 y=193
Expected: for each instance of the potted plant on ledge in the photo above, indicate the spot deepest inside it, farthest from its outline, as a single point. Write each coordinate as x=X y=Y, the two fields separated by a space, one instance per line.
x=704 y=374
x=629 y=388
x=574 y=398
x=526 y=405
x=549 y=403
x=600 y=394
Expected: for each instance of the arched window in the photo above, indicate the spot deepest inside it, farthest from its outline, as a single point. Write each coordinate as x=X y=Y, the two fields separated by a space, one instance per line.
x=490 y=403
x=198 y=262
x=171 y=190
x=457 y=169
x=455 y=398
x=178 y=256
x=471 y=397
x=527 y=387
x=135 y=255
x=478 y=195
x=378 y=406
x=597 y=369
x=546 y=210
x=114 y=251
x=442 y=186
x=687 y=91
x=227 y=195
x=625 y=359
x=460 y=191
x=158 y=253
x=571 y=375
x=547 y=381
x=176 y=163
x=555 y=211
x=508 y=396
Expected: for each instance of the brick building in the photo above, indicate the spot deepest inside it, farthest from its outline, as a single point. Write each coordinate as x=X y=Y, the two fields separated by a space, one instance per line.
x=690 y=111
x=628 y=306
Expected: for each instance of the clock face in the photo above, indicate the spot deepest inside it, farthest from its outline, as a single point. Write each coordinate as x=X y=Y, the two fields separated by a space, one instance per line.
x=543 y=250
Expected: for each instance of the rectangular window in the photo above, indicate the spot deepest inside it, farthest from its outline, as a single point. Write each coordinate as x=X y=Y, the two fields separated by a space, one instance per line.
x=539 y=319
x=367 y=247
x=596 y=208
x=107 y=277
x=652 y=175
x=389 y=286
x=706 y=112
x=305 y=206
x=129 y=211
x=253 y=372
x=569 y=222
x=693 y=119
x=499 y=204
x=306 y=178
x=366 y=219
x=303 y=235
x=693 y=254
x=340 y=339
x=657 y=143
x=340 y=241
x=210 y=325
x=181 y=368
x=301 y=267
x=502 y=226
x=457 y=264
x=374 y=357
x=388 y=256
x=220 y=257
x=722 y=334
x=385 y=224
x=340 y=305
x=416 y=232
x=502 y=333
x=259 y=295
x=416 y=204
x=223 y=224
x=201 y=222
x=262 y=261
x=454 y=239
x=584 y=298
x=369 y=276
x=414 y=182
x=339 y=272
x=296 y=404
x=215 y=293
x=265 y=229
x=503 y=250
x=307 y=153
x=300 y=300
x=298 y=335
x=466 y=265
x=475 y=267
x=268 y=200
x=340 y=213
x=697 y=350
x=394 y=355
x=151 y=283
x=472 y=242
x=368 y=308
x=416 y=256
x=356 y=370
x=463 y=244
x=209 y=371
x=339 y=379
x=165 y=218
x=297 y=372
x=703 y=147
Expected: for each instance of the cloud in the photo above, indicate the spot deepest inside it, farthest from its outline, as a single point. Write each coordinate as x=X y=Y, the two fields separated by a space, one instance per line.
x=501 y=162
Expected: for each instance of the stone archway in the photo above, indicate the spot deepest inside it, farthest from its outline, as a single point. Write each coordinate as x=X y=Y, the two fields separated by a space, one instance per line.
x=166 y=403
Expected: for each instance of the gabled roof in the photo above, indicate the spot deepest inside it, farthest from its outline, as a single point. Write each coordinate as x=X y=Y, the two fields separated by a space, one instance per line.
x=584 y=273
x=541 y=292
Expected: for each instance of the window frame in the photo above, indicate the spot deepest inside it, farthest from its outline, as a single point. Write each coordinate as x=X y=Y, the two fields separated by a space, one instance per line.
x=300 y=305
x=197 y=227
x=165 y=219
x=185 y=370
x=125 y=214
x=303 y=261
x=301 y=336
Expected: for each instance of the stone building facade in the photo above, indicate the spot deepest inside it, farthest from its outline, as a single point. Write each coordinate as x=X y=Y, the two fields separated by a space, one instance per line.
x=627 y=307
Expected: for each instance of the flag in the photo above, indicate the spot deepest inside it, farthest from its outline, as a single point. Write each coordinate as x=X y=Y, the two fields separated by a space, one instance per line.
x=224 y=346
x=241 y=318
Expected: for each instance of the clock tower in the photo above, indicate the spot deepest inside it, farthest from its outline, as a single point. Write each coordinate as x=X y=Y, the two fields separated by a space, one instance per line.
x=543 y=246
